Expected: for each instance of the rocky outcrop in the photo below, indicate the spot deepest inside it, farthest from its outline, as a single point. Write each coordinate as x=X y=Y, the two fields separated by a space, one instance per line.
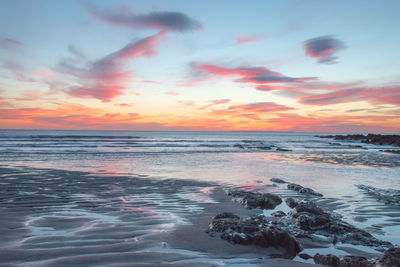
x=390 y=258
x=307 y=218
x=255 y=200
x=303 y=190
x=278 y=181
x=255 y=230
x=291 y=202
x=376 y=139
x=346 y=261
x=390 y=196
x=283 y=149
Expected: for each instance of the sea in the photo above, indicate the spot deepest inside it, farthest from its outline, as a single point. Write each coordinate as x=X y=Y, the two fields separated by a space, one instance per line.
x=241 y=159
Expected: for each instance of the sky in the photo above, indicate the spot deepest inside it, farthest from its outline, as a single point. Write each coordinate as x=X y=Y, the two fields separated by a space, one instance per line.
x=227 y=65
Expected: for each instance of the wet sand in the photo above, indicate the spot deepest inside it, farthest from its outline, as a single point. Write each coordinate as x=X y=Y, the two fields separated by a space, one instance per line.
x=63 y=218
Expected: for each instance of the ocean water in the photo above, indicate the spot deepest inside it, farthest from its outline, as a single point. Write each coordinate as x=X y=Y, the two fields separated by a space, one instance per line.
x=240 y=159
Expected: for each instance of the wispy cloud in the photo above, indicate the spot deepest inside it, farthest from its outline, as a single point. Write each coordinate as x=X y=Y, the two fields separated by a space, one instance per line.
x=323 y=48
x=107 y=77
x=124 y=105
x=251 y=110
x=254 y=75
x=18 y=71
x=383 y=95
x=247 y=39
x=162 y=20
x=9 y=43
x=171 y=93
x=216 y=102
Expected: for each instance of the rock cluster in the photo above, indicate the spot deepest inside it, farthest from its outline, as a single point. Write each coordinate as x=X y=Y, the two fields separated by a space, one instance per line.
x=391 y=258
x=307 y=218
x=303 y=190
x=346 y=261
x=255 y=200
x=376 y=139
x=254 y=230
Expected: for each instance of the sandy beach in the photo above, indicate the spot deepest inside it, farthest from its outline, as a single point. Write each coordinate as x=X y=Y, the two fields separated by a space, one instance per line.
x=62 y=218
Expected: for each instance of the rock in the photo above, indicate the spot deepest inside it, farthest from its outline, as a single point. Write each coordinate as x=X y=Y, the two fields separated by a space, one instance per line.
x=238 y=146
x=224 y=221
x=376 y=139
x=353 y=261
x=291 y=202
x=283 y=149
x=278 y=181
x=391 y=258
x=255 y=230
x=264 y=147
x=329 y=259
x=346 y=261
x=303 y=190
x=305 y=256
x=256 y=200
x=307 y=218
x=278 y=213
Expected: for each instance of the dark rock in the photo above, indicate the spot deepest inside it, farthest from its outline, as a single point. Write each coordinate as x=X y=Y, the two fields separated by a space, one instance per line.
x=278 y=181
x=264 y=147
x=278 y=213
x=303 y=190
x=224 y=221
x=291 y=202
x=283 y=149
x=256 y=200
x=329 y=259
x=308 y=218
x=376 y=139
x=346 y=261
x=255 y=230
x=238 y=146
x=353 y=261
x=391 y=258
x=310 y=207
x=305 y=256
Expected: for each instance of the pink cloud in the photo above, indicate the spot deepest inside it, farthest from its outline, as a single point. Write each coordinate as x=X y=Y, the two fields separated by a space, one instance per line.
x=254 y=75
x=384 y=95
x=251 y=110
x=247 y=39
x=153 y=82
x=216 y=102
x=107 y=78
x=171 y=93
x=124 y=105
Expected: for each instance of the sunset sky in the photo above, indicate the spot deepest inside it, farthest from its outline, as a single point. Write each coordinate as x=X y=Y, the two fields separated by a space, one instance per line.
x=315 y=66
